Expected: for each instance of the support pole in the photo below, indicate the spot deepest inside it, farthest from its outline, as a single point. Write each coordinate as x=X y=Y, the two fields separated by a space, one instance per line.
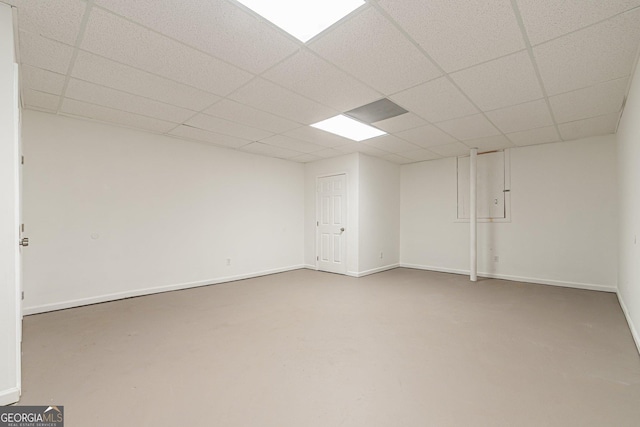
x=473 y=220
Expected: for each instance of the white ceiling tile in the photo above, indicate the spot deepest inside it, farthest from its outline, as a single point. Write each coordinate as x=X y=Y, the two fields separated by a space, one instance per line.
x=59 y=20
x=548 y=19
x=292 y=144
x=603 y=52
x=535 y=136
x=126 y=42
x=602 y=125
x=459 y=33
x=328 y=152
x=226 y=127
x=317 y=136
x=217 y=27
x=598 y=100
x=270 y=150
x=470 y=127
x=359 y=147
x=196 y=134
x=83 y=109
x=426 y=136
x=241 y=113
x=41 y=80
x=95 y=94
x=44 y=53
x=451 y=150
x=40 y=100
x=420 y=155
x=529 y=115
x=270 y=97
x=370 y=48
x=313 y=77
x=435 y=101
x=489 y=143
x=305 y=158
x=499 y=83
x=399 y=160
x=390 y=144
x=105 y=72
x=400 y=123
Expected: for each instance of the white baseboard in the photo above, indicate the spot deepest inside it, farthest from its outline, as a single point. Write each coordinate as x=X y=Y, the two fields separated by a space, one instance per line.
x=7 y=397
x=372 y=271
x=634 y=331
x=149 y=291
x=587 y=286
x=310 y=267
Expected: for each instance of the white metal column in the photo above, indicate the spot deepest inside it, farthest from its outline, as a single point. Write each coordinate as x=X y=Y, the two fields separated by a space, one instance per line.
x=473 y=221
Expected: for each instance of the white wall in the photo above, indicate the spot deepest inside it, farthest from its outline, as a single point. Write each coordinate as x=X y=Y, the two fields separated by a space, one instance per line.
x=563 y=217
x=379 y=212
x=629 y=203
x=348 y=164
x=9 y=304
x=113 y=212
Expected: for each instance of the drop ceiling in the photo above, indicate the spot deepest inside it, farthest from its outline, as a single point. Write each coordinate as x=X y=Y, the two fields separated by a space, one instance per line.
x=471 y=73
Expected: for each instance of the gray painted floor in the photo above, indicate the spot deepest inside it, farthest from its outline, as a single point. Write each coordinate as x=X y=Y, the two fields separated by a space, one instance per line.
x=303 y=348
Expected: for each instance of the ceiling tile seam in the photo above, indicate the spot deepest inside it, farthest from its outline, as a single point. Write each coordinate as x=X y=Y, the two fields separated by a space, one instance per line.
x=589 y=118
x=40 y=91
x=586 y=26
x=280 y=148
x=629 y=83
x=173 y=39
x=514 y=105
x=421 y=149
x=532 y=58
x=208 y=144
x=627 y=76
x=139 y=69
x=288 y=90
x=111 y=123
x=249 y=141
x=437 y=65
x=415 y=85
x=330 y=63
x=487 y=61
x=132 y=94
x=74 y=55
x=120 y=110
x=227 y=98
x=202 y=111
x=41 y=109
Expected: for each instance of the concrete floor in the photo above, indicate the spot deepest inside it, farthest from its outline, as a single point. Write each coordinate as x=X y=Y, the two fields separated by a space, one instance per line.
x=303 y=348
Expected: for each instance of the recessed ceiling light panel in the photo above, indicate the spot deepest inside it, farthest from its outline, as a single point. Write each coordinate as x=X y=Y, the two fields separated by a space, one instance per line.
x=303 y=19
x=348 y=128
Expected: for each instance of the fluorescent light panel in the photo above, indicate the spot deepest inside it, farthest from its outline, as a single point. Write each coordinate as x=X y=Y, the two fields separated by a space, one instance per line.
x=348 y=128
x=303 y=19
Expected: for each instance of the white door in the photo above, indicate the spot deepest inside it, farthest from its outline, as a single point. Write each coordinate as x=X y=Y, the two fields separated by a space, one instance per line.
x=332 y=223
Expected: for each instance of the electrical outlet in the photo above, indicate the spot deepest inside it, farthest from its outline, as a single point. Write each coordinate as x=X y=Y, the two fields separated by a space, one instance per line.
x=228 y=262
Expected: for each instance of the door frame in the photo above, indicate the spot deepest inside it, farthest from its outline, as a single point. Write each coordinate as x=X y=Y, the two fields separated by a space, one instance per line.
x=346 y=217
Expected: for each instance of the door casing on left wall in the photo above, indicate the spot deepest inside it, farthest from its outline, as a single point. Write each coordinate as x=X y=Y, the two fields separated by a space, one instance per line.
x=10 y=223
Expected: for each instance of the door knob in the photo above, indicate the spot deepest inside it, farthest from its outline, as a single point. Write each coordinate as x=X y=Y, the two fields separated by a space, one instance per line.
x=342 y=230
x=24 y=241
